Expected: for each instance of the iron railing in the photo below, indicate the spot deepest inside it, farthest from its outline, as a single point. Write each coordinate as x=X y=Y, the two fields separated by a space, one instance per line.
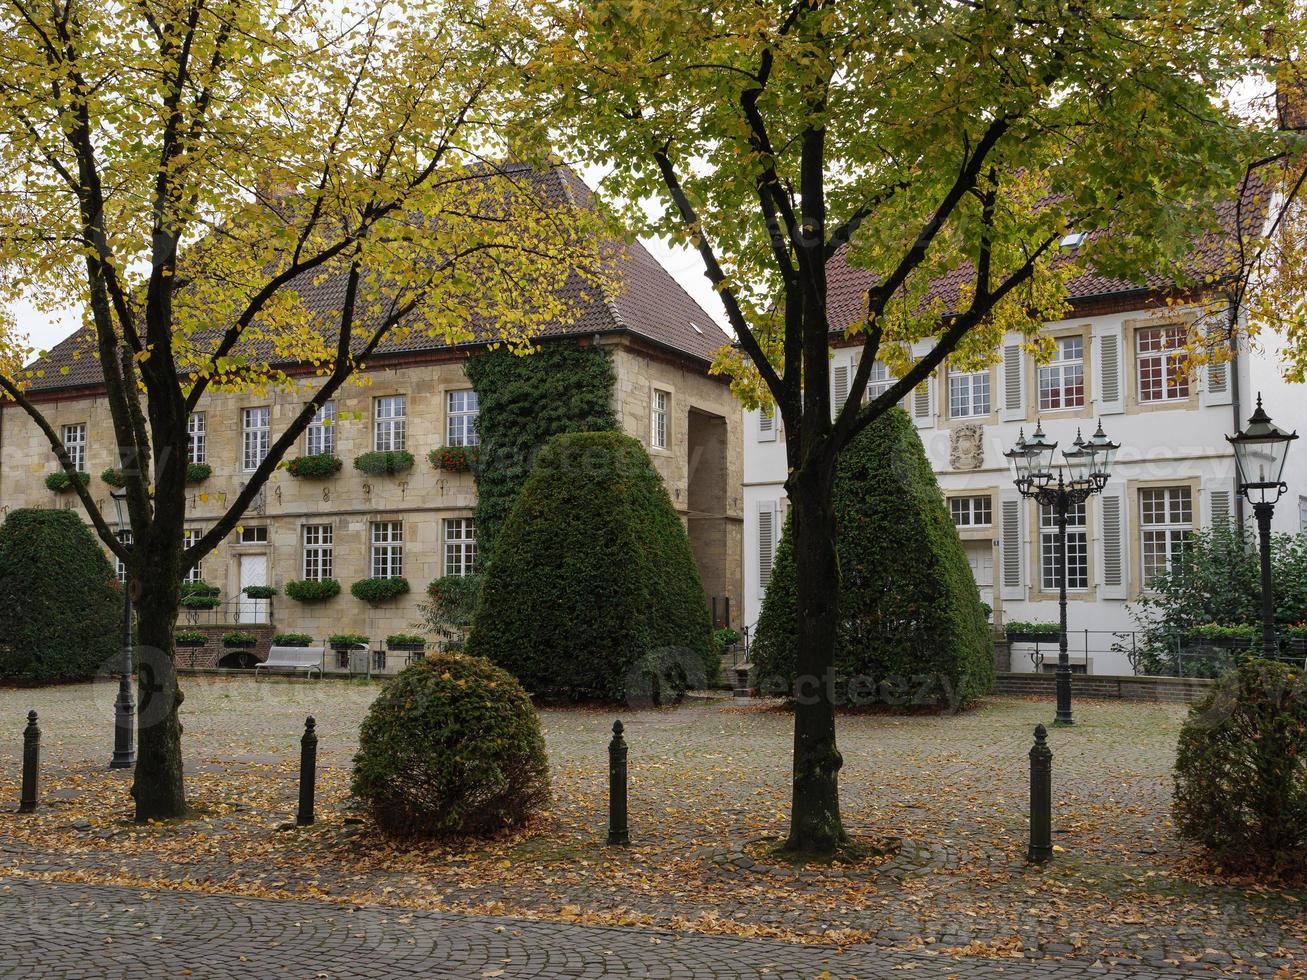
x=1177 y=655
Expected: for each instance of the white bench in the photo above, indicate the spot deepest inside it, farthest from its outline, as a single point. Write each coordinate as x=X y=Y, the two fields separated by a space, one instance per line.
x=293 y=659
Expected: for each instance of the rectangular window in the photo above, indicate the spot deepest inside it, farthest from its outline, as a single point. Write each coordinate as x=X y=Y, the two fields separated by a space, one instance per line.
x=119 y=569
x=1077 y=549
x=389 y=414
x=460 y=546
x=968 y=394
x=189 y=537
x=461 y=418
x=1160 y=359
x=74 y=437
x=197 y=449
x=658 y=420
x=317 y=552
x=254 y=535
x=1062 y=381
x=879 y=381
x=973 y=511
x=1166 y=521
x=320 y=436
x=255 y=426
x=387 y=549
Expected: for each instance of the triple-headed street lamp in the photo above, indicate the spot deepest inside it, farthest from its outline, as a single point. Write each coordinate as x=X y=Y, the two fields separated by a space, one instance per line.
x=124 y=715
x=1259 y=453
x=1087 y=466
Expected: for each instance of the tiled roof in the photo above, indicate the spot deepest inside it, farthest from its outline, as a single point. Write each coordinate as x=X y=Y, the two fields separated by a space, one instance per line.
x=847 y=286
x=645 y=301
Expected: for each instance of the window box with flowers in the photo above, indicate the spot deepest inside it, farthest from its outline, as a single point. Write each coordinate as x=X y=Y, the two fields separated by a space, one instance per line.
x=1018 y=632
x=239 y=640
x=313 y=590
x=384 y=463
x=317 y=467
x=1214 y=635
x=292 y=640
x=259 y=591
x=200 y=595
x=454 y=459
x=376 y=590
x=406 y=643
x=114 y=478
x=59 y=481
x=1295 y=638
x=190 y=638
x=198 y=472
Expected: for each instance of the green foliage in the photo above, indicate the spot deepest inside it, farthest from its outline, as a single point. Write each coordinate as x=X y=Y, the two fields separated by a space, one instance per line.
x=200 y=595
x=292 y=640
x=191 y=638
x=525 y=401
x=1218 y=580
x=198 y=472
x=405 y=640
x=451 y=746
x=375 y=590
x=1214 y=631
x=1241 y=768
x=239 y=638
x=313 y=590
x=316 y=467
x=725 y=637
x=259 y=591
x=114 y=478
x=384 y=464
x=60 y=607
x=592 y=585
x=909 y=608
x=59 y=480
x=346 y=639
x=448 y=609
x=1017 y=626
x=454 y=459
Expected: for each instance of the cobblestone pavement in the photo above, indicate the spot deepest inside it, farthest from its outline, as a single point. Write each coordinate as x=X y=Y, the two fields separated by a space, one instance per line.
x=76 y=932
x=709 y=789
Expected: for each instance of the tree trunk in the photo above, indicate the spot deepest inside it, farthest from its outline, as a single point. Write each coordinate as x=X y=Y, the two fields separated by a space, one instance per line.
x=815 y=826
x=158 y=787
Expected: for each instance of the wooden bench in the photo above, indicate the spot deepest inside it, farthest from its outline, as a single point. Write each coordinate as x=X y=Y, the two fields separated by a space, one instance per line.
x=293 y=659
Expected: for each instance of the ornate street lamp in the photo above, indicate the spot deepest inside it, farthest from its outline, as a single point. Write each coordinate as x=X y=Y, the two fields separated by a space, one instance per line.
x=1259 y=454
x=124 y=716
x=1087 y=468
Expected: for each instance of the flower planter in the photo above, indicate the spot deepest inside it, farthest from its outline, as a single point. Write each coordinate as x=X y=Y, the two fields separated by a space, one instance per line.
x=190 y=643
x=1221 y=642
x=1022 y=636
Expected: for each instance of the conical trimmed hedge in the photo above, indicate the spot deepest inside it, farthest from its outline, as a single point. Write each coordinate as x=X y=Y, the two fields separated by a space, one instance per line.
x=912 y=627
x=592 y=591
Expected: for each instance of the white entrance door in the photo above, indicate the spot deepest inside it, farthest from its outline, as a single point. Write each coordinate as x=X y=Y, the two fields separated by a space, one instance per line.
x=254 y=571
x=980 y=556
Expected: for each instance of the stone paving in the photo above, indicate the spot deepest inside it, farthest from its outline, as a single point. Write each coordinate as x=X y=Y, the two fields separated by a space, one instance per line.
x=77 y=932
x=709 y=790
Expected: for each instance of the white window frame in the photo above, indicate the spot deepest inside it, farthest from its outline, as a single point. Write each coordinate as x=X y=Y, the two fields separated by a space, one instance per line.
x=254 y=534
x=1061 y=382
x=119 y=569
x=1176 y=384
x=460 y=537
x=256 y=430
x=319 y=551
x=320 y=436
x=197 y=439
x=660 y=405
x=389 y=423
x=967 y=390
x=74 y=438
x=879 y=380
x=387 y=552
x=1077 y=548
x=1170 y=536
x=972 y=510
x=461 y=412
x=189 y=536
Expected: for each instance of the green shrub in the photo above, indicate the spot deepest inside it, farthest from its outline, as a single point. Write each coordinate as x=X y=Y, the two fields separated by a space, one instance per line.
x=454 y=459
x=1017 y=626
x=347 y=639
x=316 y=467
x=1241 y=768
x=384 y=464
x=259 y=591
x=451 y=746
x=114 y=478
x=592 y=590
x=1215 y=631
x=313 y=590
x=59 y=480
x=239 y=638
x=200 y=595
x=198 y=472
x=61 y=608
x=405 y=640
x=191 y=638
x=292 y=640
x=375 y=590
x=449 y=607
x=911 y=621
x=725 y=637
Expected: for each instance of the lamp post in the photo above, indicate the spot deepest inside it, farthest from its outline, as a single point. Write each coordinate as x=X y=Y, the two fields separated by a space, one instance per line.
x=1087 y=466
x=1259 y=455
x=124 y=715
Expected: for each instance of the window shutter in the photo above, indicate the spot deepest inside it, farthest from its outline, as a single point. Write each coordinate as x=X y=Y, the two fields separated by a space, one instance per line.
x=1012 y=384
x=1012 y=579
x=1218 y=372
x=1113 y=540
x=1110 y=395
x=839 y=384
x=923 y=404
x=767 y=425
x=1220 y=506
x=766 y=544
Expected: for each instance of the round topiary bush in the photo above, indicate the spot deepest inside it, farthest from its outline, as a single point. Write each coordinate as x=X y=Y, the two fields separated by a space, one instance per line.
x=1241 y=768
x=451 y=746
x=592 y=590
x=912 y=628
x=60 y=607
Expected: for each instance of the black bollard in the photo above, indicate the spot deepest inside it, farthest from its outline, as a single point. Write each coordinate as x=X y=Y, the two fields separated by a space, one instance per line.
x=617 y=829
x=1041 y=798
x=308 y=771
x=31 y=764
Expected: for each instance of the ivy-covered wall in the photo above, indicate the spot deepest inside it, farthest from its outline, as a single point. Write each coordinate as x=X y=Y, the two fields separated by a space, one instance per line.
x=524 y=401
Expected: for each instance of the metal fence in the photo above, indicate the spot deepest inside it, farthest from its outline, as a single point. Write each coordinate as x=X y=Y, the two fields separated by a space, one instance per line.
x=1176 y=655
x=228 y=612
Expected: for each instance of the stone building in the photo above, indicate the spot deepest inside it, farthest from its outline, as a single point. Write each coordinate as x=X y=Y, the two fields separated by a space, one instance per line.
x=419 y=524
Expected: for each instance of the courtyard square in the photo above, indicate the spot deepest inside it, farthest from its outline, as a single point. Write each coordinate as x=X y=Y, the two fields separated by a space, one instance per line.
x=709 y=784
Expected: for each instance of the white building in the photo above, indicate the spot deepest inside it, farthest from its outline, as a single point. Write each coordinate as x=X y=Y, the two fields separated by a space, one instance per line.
x=1115 y=357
